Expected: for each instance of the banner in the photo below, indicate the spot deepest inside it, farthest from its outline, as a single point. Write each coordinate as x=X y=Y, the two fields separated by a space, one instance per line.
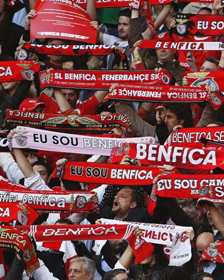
x=44 y=140
x=192 y=136
x=46 y=201
x=18 y=71
x=183 y=157
x=73 y=123
x=111 y=174
x=200 y=25
x=100 y=79
x=185 y=46
x=147 y=93
x=202 y=79
x=62 y=20
x=105 y=4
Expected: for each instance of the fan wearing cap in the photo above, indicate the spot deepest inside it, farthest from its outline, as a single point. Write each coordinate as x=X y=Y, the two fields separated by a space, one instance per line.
x=31 y=105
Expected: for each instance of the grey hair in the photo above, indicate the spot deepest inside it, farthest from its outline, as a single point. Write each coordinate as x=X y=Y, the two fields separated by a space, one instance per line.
x=88 y=264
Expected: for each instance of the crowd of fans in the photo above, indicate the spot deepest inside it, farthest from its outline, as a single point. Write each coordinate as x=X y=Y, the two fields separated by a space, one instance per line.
x=124 y=28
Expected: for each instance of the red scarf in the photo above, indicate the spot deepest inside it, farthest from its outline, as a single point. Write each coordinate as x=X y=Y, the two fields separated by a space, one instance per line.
x=22 y=244
x=72 y=123
x=158 y=2
x=191 y=136
x=100 y=79
x=182 y=157
x=201 y=79
x=20 y=212
x=187 y=46
x=202 y=187
x=154 y=93
x=18 y=71
x=47 y=201
x=113 y=174
x=67 y=50
x=214 y=252
x=200 y=25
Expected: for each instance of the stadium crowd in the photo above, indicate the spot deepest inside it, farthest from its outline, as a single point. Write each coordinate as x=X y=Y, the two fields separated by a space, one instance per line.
x=135 y=226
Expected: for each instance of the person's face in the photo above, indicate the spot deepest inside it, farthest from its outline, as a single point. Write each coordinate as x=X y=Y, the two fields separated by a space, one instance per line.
x=76 y=272
x=164 y=55
x=68 y=65
x=191 y=211
x=10 y=86
x=208 y=66
x=171 y=120
x=43 y=172
x=70 y=96
x=121 y=276
x=56 y=58
x=207 y=278
x=122 y=202
x=116 y=245
x=123 y=27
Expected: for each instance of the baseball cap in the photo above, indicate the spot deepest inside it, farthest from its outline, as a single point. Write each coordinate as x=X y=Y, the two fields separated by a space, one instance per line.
x=30 y=104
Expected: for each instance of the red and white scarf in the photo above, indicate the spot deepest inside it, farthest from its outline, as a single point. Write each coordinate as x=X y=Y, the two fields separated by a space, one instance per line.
x=169 y=235
x=27 y=137
x=100 y=79
x=164 y=93
x=113 y=174
x=183 y=157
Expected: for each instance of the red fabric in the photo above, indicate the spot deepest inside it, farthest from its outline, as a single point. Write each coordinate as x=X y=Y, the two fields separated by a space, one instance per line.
x=140 y=248
x=220 y=68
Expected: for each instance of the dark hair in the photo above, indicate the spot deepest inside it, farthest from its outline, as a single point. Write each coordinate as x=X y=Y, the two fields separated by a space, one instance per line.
x=182 y=111
x=79 y=62
x=135 y=197
x=40 y=161
x=199 y=276
x=105 y=107
x=206 y=9
x=125 y=13
x=110 y=275
x=212 y=60
x=64 y=221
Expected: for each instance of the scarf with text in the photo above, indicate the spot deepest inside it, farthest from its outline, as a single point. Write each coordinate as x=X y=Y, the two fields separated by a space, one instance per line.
x=214 y=252
x=18 y=71
x=22 y=244
x=192 y=136
x=158 y=2
x=21 y=212
x=37 y=139
x=149 y=93
x=153 y=233
x=106 y=4
x=73 y=123
x=200 y=25
x=112 y=174
x=202 y=187
x=183 y=157
x=202 y=79
x=100 y=79
x=47 y=201
x=186 y=46
x=68 y=50
x=169 y=235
